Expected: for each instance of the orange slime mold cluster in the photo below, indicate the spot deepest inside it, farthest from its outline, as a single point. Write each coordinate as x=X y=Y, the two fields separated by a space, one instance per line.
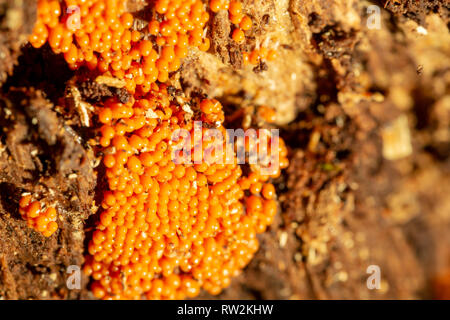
x=43 y=221
x=99 y=34
x=169 y=229
x=166 y=229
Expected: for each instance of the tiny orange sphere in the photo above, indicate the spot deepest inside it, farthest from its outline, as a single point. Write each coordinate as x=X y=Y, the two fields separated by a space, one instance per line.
x=238 y=35
x=215 y=5
x=246 y=23
x=268 y=191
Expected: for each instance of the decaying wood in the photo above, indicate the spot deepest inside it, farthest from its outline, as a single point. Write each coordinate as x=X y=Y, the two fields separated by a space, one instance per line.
x=365 y=114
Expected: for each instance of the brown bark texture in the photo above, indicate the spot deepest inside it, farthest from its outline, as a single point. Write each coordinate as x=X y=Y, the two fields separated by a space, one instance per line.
x=365 y=113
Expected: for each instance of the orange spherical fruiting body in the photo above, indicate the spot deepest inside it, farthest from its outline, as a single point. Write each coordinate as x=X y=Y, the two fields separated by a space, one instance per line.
x=235 y=8
x=267 y=113
x=238 y=35
x=215 y=5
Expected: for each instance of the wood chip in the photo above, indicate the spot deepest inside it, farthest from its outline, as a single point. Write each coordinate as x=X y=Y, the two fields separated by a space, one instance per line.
x=397 y=140
x=111 y=82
